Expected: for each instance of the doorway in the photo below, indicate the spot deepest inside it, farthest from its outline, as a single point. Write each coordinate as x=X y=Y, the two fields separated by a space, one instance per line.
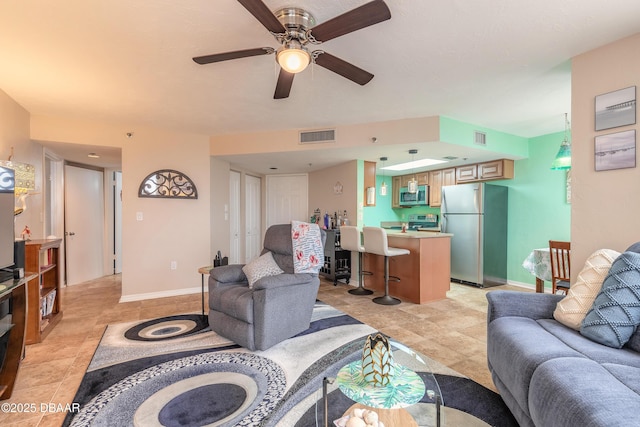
x=287 y=198
x=252 y=211
x=234 y=218
x=84 y=223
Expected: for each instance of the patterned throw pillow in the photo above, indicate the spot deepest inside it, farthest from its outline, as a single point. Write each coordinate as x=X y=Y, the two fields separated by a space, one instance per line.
x=308 y=251
x=572 y=309
x=260 y=267
x=615 y=314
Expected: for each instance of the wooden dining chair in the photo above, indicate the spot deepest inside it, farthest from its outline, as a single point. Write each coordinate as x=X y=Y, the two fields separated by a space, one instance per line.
x=560 y=254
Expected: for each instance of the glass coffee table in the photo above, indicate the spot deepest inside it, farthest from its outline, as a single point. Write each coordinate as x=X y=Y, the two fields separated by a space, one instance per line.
x=413 y=399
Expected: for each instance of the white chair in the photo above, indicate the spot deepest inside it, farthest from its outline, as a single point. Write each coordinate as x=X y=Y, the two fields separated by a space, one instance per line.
x=350 y=240
x=376 y=242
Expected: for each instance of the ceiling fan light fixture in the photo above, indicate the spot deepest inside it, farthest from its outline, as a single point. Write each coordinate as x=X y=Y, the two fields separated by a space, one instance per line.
x=293 y=57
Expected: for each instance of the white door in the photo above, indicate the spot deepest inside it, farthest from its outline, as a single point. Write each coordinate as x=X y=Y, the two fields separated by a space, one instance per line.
x=234 y=218
x=84 y=224
x=252 y=202
x=287 y=199
x=117 y=222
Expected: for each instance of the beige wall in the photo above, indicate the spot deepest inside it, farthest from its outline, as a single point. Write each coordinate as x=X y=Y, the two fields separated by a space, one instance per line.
x=605 y=204
x=171 y=230
x=322 y=195
x=14 y=132
x=219 y=200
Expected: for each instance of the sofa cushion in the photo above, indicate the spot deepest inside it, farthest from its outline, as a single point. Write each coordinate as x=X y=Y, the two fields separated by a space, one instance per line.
x=590 y=349
x=572 y=309
x=516 y=346
x=572 y=392
x=615 y=314
x=260 y=267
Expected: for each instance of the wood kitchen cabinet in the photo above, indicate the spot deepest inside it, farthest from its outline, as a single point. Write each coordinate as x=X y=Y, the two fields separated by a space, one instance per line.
x=467 y=173
x=369 y=182
x=437 y=180
x=486 y=171
x=396 y=183
x=497 y=169
x=422 y=178
x=44 y=311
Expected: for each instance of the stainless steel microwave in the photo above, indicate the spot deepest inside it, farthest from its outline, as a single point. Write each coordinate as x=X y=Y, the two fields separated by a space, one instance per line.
x=419 y=198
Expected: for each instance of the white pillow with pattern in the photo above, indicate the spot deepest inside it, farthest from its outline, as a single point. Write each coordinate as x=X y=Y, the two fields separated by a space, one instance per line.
x=260 y=267
x=573 y=308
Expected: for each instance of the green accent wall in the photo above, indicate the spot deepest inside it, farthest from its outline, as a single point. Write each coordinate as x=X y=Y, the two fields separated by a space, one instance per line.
x=538 y=208
x=460 y=133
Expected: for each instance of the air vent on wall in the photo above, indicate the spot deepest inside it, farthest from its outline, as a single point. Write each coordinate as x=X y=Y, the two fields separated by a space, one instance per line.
x=318 y=136
x=480 y=138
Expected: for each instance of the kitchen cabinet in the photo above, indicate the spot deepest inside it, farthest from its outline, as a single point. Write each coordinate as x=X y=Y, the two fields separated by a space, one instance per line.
x=449 y=176
x=467 y=173
x=44 y=311
x=422 y=178
x=437 y=180
x=497 y=169
x=396 y=183
x=435 y=188
x=369 y=182
x=486 y=171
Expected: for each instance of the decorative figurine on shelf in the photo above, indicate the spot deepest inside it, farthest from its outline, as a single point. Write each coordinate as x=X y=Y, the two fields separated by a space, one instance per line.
x=26 y=233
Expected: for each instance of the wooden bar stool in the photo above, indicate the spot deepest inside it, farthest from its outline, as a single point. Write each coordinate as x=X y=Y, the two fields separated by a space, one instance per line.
x=350 y=240
x=376 y=242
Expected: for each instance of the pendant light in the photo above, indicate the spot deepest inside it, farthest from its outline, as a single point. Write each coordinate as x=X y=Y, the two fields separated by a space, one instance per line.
x=412 y=186
x=563 y=158
x=383 y=187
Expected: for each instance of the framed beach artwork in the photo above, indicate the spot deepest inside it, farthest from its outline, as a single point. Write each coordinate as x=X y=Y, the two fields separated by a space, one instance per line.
x=615 y=151
x=615 y=109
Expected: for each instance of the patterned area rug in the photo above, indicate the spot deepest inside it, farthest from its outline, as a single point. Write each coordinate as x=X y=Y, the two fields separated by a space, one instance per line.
x=174 y=371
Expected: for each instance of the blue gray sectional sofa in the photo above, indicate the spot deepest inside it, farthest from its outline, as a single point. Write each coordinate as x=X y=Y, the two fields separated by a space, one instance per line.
x=550 y=375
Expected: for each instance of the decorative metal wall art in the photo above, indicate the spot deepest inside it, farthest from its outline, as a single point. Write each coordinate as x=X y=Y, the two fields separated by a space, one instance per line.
x=169 y=184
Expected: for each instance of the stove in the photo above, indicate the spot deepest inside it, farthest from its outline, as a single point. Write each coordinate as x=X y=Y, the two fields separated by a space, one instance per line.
x=417 y=222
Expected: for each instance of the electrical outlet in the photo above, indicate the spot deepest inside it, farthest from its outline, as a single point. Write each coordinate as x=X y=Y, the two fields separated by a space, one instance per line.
x=139 y=216
x=174 y=265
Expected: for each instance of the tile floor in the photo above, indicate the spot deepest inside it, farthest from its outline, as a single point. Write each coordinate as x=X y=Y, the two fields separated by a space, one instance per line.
x=451 y=331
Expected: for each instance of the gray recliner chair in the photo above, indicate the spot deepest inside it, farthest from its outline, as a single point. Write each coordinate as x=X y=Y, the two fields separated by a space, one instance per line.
x=278 y=307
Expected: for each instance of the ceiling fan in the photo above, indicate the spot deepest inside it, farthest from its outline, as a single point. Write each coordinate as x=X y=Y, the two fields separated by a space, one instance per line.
x=294 y=29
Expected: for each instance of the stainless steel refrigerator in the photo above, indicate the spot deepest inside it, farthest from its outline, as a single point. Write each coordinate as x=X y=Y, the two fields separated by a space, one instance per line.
x=476 y=215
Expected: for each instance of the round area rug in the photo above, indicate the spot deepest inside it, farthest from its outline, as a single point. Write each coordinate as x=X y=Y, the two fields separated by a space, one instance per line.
x=208 y=389
x=166 y=328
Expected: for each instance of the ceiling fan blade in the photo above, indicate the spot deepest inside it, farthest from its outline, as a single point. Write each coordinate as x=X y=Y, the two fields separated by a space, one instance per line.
x=262 y=13
x=345 y=69
x=368 y=14
x=283 y=87
x=218 y=57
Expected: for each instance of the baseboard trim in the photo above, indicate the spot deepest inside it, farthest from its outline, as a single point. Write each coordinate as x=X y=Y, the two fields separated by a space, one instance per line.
x=161 y=294
x=525 y=285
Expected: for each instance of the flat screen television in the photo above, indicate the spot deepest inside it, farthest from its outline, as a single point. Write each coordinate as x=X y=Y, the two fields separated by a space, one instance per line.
x=7 y=233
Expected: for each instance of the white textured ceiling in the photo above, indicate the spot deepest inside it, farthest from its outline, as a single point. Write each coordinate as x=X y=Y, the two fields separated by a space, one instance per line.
x=501 y=64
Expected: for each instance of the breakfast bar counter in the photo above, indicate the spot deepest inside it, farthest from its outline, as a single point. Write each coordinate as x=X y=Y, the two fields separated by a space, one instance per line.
x=425 y=273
